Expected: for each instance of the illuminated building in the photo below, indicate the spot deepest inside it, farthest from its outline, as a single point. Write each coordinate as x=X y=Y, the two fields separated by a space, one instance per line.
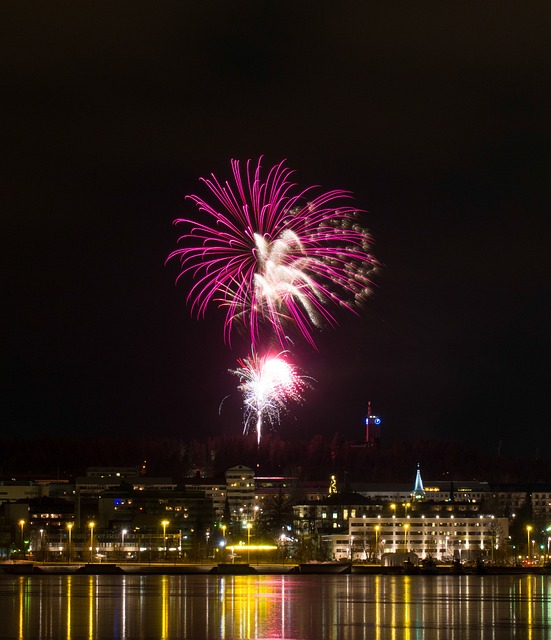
x=447 y=538
x=240 y=491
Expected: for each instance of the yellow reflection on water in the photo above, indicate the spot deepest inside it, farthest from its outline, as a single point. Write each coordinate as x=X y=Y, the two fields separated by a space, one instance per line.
x=530 y=587
x=377 y=608
x=407 y=607
x=164 y=608
x=393 y=610
x=21 y=607
x=91 y=608
x=350 y=607
x=246 y=605
x=69 y=596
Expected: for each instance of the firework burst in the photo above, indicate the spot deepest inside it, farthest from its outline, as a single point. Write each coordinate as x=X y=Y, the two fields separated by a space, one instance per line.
x=267 y=383
x=274 y=254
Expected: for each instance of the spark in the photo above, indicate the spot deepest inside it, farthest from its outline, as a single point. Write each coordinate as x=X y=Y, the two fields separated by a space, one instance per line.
x=268 y=383
x=274 y=254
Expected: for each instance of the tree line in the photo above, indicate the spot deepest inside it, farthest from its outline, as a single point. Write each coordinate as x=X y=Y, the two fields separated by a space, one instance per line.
x=312 y=459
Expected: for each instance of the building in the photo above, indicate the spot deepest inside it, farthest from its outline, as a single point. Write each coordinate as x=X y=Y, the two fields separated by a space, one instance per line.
x=240 y=492
x=447 y=538
x=432 y=491
x=321 y=517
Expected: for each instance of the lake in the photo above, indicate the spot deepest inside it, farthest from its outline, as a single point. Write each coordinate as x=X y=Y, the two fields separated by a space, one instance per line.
x=309 y=607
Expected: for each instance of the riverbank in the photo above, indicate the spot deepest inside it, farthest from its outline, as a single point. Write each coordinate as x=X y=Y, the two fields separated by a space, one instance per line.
x=322 y=568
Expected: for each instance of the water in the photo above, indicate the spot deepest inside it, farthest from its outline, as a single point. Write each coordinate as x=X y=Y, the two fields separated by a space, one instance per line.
x=328 y=607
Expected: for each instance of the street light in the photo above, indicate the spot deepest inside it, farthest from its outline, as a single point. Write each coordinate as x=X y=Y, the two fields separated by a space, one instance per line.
x=407 y=505
x=528 y=530
x=69 y=529
x=22 y=525
x=406 y=527
x=249 y=525
x=165 y=523
x=123 y=533
x=42 y=544
x=377 y=529
x=91 y=525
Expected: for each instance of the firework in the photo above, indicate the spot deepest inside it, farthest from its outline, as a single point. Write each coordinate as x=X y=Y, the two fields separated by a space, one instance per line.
x=268 y=383
x=274 y=254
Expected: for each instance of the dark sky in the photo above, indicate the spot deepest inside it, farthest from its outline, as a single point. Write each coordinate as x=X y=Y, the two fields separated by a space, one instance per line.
x=435 y=115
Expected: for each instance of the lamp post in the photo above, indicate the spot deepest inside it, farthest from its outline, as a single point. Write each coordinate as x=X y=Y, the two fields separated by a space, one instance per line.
x=249 y=525
x=91 y=525
x=123 y=533
x=69 y=529
x=377 y=529
x=528 y=530
x=223 y=541
x=22 y=525
x=42 y=544
x=165 y=523
x=407 y=505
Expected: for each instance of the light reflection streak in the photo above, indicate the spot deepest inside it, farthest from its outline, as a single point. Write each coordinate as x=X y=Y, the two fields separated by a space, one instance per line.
x=69 y=598
x=91 y=608
x=344 y=607
x=123 y=607
x=222 y=600
x=283 y=603
x=407 y=608
x=393 y=609
x=530 y=587
x=21 y=634
x=378 y=613
x=164 y=608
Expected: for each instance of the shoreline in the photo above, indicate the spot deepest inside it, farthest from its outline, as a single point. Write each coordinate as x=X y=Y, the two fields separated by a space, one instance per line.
x=322 y=568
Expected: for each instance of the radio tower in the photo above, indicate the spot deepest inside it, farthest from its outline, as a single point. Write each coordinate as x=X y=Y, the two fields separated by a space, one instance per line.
x=372 y=428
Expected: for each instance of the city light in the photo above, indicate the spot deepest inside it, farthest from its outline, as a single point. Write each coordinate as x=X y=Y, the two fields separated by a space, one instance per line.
x=91 y=525
x=165 y=524
x=69 y=531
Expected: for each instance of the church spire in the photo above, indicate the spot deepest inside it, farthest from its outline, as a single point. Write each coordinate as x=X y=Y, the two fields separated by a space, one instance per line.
x=418 y=490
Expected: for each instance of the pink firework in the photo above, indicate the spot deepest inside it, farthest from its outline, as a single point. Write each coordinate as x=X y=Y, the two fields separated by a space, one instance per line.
x=273 y=253
x=267 y=384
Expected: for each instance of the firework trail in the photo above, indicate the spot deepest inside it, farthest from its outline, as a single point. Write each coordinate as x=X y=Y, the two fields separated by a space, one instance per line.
x=267 y=384
x=273 y=253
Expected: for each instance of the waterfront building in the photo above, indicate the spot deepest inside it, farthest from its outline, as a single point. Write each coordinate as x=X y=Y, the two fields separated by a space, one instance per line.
x=240 y=492
x=214 y=489
x=321 y=517
x=448 y=538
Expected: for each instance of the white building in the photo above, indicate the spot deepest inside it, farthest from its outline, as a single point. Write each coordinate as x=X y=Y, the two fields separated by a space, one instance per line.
x=442 y=538
x=240 y=491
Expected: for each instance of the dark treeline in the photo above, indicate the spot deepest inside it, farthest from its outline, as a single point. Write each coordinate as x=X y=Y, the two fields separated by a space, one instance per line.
x=315 y=459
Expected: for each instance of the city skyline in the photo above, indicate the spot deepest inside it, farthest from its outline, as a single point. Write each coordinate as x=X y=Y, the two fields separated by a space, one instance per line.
x=438 y=124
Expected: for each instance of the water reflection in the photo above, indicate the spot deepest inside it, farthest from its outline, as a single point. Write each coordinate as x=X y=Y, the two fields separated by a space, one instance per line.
x=351 y=607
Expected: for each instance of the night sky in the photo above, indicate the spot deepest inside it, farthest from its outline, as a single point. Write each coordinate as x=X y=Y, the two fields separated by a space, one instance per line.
x=435 y=115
